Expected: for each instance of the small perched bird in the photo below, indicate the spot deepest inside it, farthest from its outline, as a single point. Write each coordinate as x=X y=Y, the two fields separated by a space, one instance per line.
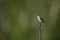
x=40 y=19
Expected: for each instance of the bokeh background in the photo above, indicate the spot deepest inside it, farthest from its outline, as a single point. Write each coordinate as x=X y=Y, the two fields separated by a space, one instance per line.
x=18 y=19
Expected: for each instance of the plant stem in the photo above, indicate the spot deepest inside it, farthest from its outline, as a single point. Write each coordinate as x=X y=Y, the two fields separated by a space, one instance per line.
x=40 y=32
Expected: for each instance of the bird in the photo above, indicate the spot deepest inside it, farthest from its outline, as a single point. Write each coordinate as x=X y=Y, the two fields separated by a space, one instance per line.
x=40 y=19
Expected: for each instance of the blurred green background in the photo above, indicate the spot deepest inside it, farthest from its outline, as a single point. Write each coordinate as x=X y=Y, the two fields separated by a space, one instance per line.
x=18 y=19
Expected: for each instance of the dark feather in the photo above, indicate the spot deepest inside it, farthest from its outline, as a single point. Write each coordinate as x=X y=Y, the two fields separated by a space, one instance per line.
x=42 y=20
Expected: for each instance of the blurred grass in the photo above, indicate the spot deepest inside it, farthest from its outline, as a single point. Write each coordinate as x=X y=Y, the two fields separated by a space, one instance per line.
x=18 y=19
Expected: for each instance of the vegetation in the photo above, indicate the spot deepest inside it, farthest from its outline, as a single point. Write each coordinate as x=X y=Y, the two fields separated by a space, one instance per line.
x=18 y=19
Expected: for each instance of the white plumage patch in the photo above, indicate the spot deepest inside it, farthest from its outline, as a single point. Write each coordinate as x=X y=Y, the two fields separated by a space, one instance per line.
x=38 y=17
